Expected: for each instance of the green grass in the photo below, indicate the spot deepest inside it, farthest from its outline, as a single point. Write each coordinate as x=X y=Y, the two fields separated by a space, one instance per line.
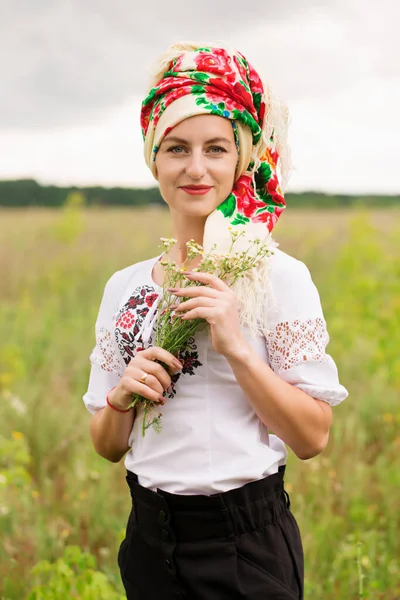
x=55 y=492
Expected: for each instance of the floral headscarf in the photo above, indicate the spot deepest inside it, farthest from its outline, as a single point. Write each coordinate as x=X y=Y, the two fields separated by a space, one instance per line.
x=215 y=81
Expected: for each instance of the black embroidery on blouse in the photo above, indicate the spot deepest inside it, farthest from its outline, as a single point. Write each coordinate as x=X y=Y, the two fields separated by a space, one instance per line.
x=129 y=321
x=190 y=359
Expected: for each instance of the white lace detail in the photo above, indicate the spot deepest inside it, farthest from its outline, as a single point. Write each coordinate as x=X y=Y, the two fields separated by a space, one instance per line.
x=105 y=354
x=292 y=342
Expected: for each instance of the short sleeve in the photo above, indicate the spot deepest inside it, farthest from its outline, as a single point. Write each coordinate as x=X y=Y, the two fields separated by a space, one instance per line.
x=106 y=360
x=296 y=333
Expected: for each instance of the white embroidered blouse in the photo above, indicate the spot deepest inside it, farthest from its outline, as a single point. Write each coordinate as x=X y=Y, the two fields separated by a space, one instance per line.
x=211 y=439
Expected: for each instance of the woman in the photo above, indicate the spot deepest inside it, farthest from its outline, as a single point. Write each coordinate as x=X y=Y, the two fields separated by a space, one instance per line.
x=210 y=517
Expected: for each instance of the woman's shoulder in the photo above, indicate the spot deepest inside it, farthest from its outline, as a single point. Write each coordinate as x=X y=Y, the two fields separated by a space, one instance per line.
x=284 y=266
x=293 y=290
x=122 y=278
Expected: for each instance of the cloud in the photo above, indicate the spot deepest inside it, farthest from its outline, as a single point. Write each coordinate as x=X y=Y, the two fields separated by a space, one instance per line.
x=73 y=75
x=65 y=63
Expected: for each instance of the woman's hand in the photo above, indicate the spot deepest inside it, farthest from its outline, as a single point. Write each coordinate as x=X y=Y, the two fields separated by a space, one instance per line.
x=215 y=302
x=156 y=379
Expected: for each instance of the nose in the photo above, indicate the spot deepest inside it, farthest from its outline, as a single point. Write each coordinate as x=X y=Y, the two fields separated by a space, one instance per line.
x=196 y=165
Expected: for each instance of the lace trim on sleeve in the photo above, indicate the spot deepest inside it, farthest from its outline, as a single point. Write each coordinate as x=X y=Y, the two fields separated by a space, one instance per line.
x=105 y=354
x=292 y=342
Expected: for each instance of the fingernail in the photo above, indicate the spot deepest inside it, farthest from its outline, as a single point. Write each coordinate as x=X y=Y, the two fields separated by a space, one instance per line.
x=177 y=364
x=169 y=389
x=161 y=400
x=173 y=290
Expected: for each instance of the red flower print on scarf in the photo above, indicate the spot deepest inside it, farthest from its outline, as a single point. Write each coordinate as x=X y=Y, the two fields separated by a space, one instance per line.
x=246 y=201
x=274 y=190
x=178 y=64
x=166 y=132
x=269 y=219
x=178 y=93
x=261 y=112
x=241 y=69
x=216 y=98
x=157 y=112
x=218 y=61
x=145 y=117
x=170 y=83
x=236 y=93
x=256 y=85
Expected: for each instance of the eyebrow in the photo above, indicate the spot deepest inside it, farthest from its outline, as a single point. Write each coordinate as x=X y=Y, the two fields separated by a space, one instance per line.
x=214 y=140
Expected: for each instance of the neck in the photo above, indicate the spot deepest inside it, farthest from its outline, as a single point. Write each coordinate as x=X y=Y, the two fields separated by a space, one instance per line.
x=185 y=228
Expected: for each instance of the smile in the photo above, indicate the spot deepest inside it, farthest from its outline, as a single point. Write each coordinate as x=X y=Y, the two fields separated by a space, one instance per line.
x=196 y=190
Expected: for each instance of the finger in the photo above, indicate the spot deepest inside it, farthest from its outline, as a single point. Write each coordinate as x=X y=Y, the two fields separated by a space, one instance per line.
x=153 y=369
x=130 y=386
x=157 y=353
x=195 y=303
x=199 y=313
x=194 y=292
x=150 y=380
x=207 y=278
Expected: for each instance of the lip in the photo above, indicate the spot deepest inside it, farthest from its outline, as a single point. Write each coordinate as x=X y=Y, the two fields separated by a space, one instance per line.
x=196 y=190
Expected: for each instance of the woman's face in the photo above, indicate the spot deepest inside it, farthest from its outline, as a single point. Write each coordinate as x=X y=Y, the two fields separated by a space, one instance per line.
x=196 y=164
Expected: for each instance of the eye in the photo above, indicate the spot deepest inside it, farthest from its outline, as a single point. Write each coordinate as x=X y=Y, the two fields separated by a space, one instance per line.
x=217 y=149
x=176 y=149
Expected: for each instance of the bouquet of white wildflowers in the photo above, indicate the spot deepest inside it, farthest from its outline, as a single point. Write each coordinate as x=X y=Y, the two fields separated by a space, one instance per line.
x=173 y=334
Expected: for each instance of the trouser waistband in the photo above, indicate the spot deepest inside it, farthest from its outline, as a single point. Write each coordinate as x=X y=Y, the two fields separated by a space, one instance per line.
x=198 y=517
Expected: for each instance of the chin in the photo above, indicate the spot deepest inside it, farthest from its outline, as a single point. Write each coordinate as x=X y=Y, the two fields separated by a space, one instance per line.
x=196 y=209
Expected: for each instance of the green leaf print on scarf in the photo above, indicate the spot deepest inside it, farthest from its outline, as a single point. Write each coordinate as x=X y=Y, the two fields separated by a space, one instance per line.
x=197 y=76
x=245 y=117
x=262 y=176
x=257 y=100
x=211 y=107
x=269 y=209
x=240 y=220
x=228 y=206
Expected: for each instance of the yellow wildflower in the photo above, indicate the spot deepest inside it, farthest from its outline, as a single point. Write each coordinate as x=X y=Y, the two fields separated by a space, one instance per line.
x=388 y=418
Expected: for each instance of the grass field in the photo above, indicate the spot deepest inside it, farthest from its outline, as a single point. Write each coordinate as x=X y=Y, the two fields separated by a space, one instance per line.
x=62 y=503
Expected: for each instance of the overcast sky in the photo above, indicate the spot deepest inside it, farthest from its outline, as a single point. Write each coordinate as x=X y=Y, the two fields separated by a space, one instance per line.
x=73 y=74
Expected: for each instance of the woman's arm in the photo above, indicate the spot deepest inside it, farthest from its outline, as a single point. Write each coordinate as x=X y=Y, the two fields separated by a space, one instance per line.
x=298 y=419
x=110 y=432
x=110 y=429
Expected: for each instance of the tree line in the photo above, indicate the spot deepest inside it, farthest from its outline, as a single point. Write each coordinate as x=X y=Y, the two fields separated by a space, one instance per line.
x=28 y=192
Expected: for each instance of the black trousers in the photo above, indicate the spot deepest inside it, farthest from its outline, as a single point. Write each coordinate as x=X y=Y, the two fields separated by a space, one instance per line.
x=239 y=544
